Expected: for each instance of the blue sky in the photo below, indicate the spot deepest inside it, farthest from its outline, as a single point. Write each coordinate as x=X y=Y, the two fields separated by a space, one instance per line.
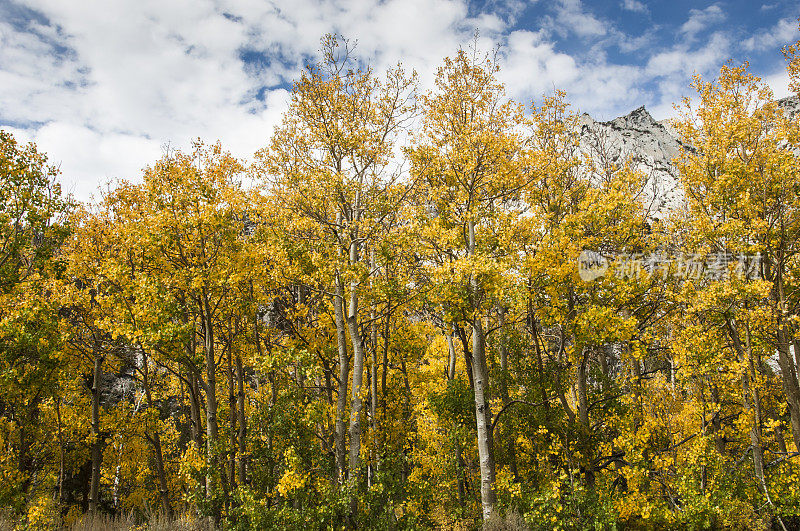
x=101 y=86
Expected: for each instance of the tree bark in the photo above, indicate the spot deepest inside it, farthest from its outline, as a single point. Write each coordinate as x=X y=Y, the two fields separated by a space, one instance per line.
x=583 y=413
x=212 y=427
x=790 y=385
x=155 y=439
x=483 y=413
x=358 y=375
x=242 y=422
x=60 y=450
x=483 y=417
x=462 y=334
x=753 y=409
x=373 y=391
x=195 y=410
x=451 y=349
x=97 y=448
x=791 y=388
x=340 y=434
x=232 y=418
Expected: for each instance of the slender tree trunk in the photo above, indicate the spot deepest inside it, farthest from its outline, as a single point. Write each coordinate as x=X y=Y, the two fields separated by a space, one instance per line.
x=534 y=329
x=483 y=416
x=97 y=444
x=358 y=377
x=716 y=421
x=460 y=475
x=797 y=354
x=462 y=334
x=60 y=450
x=166 y=506
x=583 y=413
x=385 y=359
x=373 y=392
x=155 y=439
x=24 y=461
x=791 y=387
x=242 y=422
x=756 y=435
x=232 y=418
x=340 y=435
x=451 y=349
x=212 y=427
x=483 y=413
x=752 y=409
x=195 y=410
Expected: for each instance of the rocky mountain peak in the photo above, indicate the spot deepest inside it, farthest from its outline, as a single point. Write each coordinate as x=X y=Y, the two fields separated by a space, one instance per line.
x=650 y=146
x=636 y=119
x=791 y=106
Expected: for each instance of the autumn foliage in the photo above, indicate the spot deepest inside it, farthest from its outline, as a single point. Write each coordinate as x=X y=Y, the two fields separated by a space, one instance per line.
x=381 y=321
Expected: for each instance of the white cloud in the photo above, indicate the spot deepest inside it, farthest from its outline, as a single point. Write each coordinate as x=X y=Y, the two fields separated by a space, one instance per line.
x=101 y=86
x=92 y=158
x=531 y=67
x=635 y=6
x=700 y=20
x=684 y=61
x=779 y=83
x=104 y=85
x=570 y=17
x=782 y=33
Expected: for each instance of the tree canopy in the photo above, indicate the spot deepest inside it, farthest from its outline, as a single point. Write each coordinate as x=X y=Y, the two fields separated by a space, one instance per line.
x=430 y=310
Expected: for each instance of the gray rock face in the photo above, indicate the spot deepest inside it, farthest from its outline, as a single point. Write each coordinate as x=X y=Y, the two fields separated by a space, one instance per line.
x=791 y=106
x=651 y=147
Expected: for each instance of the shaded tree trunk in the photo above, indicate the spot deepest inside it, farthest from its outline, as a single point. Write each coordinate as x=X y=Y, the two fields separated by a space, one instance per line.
x=97 y=444
x=583 y=413
x=791 y=387
x=155 y=440
x=451 y=362
x=340 y=434
x=232 y=418
x=240 y=399
x=356 y=404
x=212 y=427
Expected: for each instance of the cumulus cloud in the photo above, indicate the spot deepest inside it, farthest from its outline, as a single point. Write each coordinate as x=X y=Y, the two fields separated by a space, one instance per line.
x=784 y=32
x=102 y=86
x=572 y=18
x=532 y=67
x=635 y=6
x=684 y=61
x=779 y=83
x=700 y=20
x=123 y=78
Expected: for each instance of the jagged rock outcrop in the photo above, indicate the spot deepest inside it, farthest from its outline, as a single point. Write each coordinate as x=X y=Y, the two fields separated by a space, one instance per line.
x=791 y=106
x=651 y=147
x=648 y=144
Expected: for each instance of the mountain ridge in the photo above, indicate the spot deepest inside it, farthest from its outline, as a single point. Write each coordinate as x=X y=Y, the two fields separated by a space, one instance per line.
x=650 y=145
